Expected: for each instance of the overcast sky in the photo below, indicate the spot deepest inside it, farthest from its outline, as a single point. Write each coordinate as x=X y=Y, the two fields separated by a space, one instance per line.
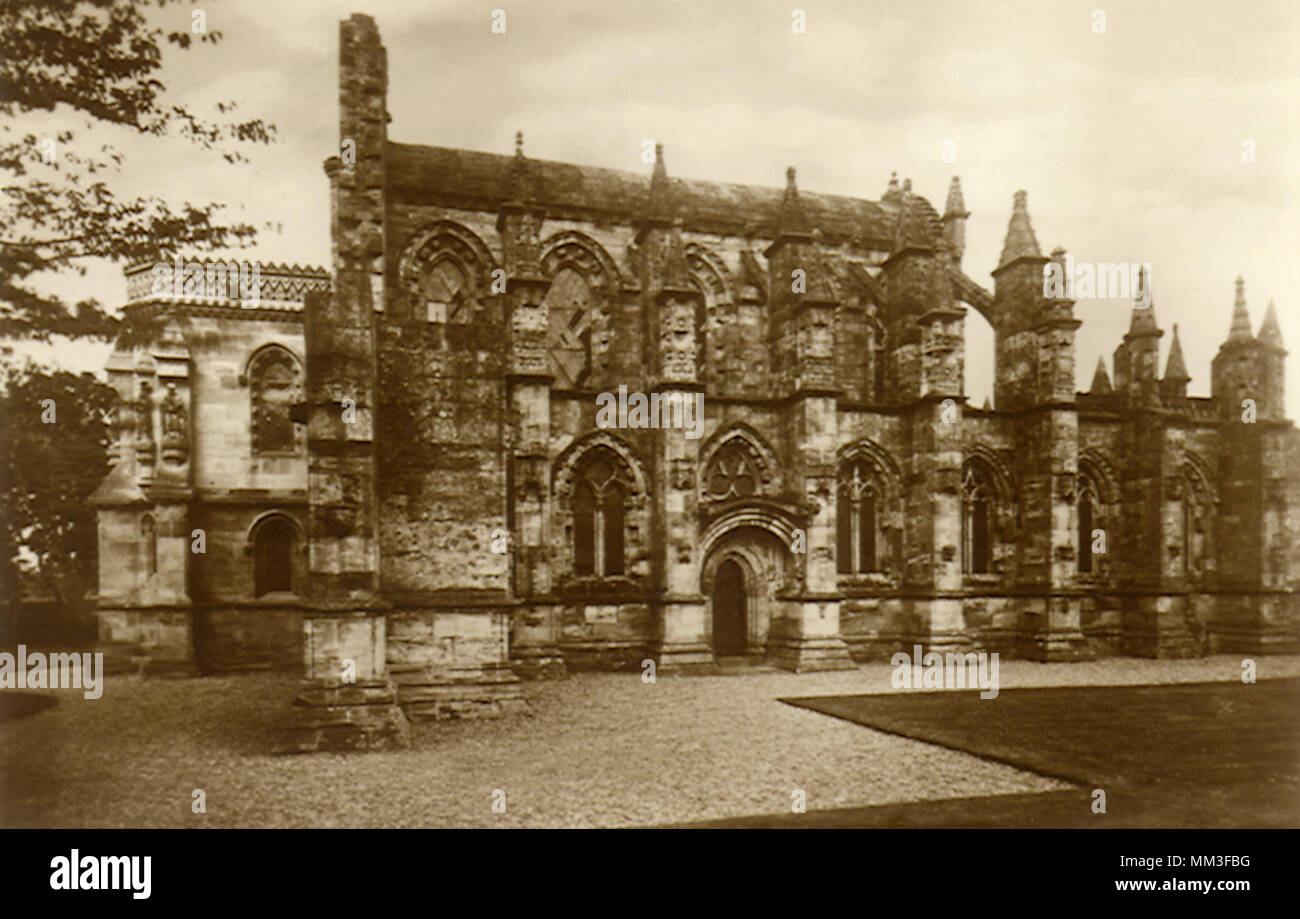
x=1129 y=142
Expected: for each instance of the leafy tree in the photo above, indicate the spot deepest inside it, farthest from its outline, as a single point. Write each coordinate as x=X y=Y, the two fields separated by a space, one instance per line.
x=101 y=59
x=55 y=436
x=100 y=62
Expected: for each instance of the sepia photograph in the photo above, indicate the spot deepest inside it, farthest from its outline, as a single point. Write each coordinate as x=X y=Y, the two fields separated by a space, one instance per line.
x=723 y=415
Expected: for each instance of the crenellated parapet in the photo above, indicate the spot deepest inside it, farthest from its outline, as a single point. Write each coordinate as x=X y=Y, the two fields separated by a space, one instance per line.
x=231 y=283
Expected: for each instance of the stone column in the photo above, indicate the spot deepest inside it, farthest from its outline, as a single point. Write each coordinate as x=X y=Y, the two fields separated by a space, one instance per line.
x=1049 y=557
x=347 y=700
x=534 y=640
x=685 y=640
x=808 y=637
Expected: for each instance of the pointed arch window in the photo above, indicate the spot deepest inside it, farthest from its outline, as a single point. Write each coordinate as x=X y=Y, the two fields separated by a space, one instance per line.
x=976 y=520
x=857 y=518
x=445 y=292
x=275 y=381
x=599 y=513
x=1088 y=520
x=570 y=304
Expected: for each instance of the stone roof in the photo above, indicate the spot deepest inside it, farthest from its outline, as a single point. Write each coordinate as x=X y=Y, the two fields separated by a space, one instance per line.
x=475 y=180
x=917 y=225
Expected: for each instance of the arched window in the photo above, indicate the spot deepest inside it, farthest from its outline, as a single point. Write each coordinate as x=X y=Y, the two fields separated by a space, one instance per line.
x=584 y=528
x=1088 y=519
x=149 y=537
x=569 y=303
x=731 y=472
x=275 y=380
x=445 y=292
x=273 y=550
x=976 y=520
x=857 y=517
x=599 y=509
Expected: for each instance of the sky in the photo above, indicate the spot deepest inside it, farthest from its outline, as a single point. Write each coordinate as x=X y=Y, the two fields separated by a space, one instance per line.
x=1128 y=138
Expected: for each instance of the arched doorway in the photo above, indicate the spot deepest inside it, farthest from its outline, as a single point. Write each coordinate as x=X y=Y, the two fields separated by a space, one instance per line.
x=730 y=600
x=747 y=578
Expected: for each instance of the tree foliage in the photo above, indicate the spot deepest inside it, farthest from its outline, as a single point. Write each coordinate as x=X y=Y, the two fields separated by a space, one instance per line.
x=100 y=59
x=50 y=464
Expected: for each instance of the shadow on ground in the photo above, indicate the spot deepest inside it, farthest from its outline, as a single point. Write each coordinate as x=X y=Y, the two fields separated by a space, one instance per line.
x=1188 y=755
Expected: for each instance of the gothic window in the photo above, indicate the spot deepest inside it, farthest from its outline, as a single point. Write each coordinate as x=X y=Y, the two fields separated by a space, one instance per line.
x=273 y=561
x=275 y=380
x=569 y=303
x=857 y=518
x=1088 y=518
x=976 y=520
x=445 y=292
x=149 y=537
x=599 y=506
x=584 y=529
x=731 y=473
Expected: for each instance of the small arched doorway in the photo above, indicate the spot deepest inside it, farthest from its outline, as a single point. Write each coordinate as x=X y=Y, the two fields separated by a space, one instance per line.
x=273 y=562
x=730 y=600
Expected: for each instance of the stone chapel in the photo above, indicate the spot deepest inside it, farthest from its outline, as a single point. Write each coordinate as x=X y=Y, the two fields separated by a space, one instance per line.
x=395 y=473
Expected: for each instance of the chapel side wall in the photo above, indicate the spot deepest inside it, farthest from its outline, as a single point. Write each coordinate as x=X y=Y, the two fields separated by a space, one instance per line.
x=235 y=487
x=441 y=481
x=1100 y=619
x=874 y=621
x=994 y=619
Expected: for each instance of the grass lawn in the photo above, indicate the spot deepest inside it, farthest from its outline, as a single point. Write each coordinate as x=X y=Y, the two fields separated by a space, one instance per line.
x=1201 y=754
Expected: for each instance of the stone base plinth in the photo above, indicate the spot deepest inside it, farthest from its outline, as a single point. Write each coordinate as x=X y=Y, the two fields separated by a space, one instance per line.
x=1263 y=622
x=445 y=693
x=1057 y=646
x=809 y=655
x=685 y=657
x=538 y=663
x=159 y=641
x=338 y=717
x=1236 y=639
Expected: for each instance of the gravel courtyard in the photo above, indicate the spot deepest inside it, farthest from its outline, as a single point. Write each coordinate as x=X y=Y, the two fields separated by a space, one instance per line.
x=598 y=750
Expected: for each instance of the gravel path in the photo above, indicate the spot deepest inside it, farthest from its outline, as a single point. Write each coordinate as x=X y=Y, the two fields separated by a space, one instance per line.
x=598 y=750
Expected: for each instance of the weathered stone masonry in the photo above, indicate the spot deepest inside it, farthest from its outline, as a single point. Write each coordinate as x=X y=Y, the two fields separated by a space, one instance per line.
x=468 y=523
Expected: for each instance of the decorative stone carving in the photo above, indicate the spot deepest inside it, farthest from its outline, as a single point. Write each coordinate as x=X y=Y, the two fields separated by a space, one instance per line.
x=683 y=474
x=276 y=383
x=175 y=425
x=145 y=447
